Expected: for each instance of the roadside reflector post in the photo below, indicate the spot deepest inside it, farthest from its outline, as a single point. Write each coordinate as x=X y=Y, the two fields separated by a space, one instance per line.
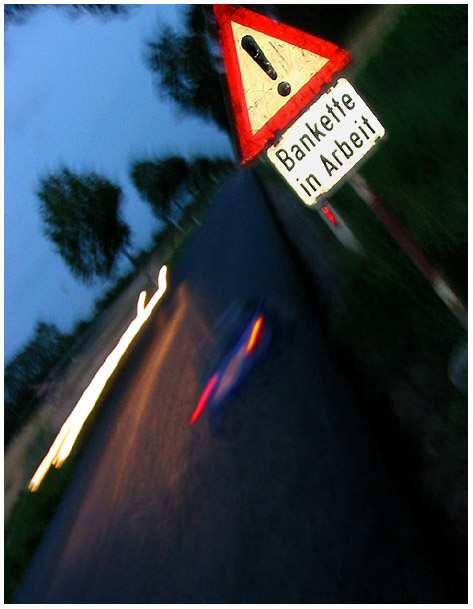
x=407 y=244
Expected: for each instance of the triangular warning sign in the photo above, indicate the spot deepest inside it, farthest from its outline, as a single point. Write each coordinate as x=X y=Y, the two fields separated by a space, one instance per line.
x=273 y=71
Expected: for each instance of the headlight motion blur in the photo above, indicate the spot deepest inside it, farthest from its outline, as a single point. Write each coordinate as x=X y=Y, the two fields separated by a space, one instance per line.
x=242 y=352
x=69 y=432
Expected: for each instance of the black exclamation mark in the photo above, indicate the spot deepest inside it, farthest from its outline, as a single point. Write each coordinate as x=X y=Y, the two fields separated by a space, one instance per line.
x=250 y=45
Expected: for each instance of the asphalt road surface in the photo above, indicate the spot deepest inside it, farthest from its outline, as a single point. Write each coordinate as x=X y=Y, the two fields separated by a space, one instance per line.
x=291 y=504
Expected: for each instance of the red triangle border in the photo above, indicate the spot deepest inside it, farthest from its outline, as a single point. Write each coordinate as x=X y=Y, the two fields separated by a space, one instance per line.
x=251 y=144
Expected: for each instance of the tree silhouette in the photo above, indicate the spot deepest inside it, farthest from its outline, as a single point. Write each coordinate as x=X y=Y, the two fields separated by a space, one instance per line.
x=184 y=69
x=203 y=170
x=170 y=180
x=160 y=181
x=81 y=216
x=18 y=14
x=26 y=372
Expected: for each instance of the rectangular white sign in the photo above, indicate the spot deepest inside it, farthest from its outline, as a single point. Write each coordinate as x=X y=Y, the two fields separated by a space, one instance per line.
x=326 y=142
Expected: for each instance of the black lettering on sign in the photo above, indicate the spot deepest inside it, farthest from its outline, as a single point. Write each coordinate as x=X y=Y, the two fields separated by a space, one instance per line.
x=345 y=148
x=307 y=192
x=355 y=138
x=315 y=131
x=298 y=152
x=329 y=166
x=311 y=181
x=326 y=122
x=285 y=159
x=337 y=106
x=332 y=113
x=334 y=154
x=303 y=141
x=348 y=102
x=365 y=121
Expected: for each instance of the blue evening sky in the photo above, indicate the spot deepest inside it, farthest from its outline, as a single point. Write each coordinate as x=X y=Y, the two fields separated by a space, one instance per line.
x=77 y=92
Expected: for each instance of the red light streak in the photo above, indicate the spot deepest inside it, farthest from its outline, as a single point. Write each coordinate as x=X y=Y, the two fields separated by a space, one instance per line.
x=329 y=215
x=254 y=333
x=203 y=399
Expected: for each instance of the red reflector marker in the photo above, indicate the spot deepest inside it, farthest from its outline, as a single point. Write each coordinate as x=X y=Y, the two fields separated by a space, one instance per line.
x=329 y=215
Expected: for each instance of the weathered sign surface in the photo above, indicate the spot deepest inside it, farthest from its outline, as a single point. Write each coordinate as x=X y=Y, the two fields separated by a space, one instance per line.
x=273 y=71
x=326 y=142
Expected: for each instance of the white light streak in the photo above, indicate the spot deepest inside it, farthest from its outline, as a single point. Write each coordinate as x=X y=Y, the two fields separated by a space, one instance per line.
x=69 y=432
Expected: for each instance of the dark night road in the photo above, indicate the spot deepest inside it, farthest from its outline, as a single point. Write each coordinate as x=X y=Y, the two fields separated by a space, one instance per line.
x=293 y=506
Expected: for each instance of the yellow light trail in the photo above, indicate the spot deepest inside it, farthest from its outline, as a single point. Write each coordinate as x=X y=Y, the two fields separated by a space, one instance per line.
x=68 y=433
x=254 y=333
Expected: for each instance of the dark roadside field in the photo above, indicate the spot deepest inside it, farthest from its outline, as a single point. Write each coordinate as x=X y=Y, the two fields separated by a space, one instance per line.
x=403 y=348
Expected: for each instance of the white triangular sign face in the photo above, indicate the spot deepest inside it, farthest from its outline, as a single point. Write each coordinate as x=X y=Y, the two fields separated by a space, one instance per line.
x=273 y=70
x=293 y=65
